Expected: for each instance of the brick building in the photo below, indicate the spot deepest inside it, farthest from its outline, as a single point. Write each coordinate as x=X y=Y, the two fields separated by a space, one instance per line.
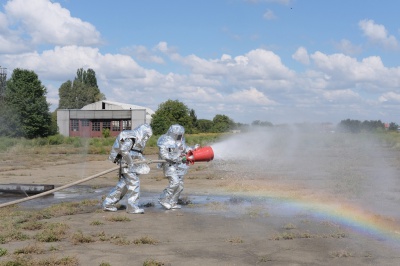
x=93 y=118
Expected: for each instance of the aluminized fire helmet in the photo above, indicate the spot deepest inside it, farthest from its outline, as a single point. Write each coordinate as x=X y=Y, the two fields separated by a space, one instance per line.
x=143 y=133
x=176 y=132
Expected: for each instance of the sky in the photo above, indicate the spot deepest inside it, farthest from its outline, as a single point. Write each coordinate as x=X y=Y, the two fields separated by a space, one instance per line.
x=280 y=61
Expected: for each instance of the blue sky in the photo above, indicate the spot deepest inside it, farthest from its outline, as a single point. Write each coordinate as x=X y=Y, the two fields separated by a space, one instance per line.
x=282 y=61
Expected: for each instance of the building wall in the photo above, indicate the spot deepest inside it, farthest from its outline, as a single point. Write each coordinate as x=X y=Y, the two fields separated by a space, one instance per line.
x=63 y=122
x=90 y=123
x=108 y=105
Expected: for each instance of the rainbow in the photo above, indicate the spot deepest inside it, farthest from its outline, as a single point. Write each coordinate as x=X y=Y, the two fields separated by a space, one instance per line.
x=353 y=217
x=349 y=215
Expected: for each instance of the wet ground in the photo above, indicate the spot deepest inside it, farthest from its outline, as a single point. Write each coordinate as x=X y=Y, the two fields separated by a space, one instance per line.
x=222 y=204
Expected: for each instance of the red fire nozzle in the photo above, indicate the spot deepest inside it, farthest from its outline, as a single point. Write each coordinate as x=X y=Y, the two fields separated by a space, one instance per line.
x=202 y=154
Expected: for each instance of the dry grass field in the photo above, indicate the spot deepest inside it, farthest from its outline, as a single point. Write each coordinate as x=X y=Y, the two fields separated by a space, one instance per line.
x=304 y=201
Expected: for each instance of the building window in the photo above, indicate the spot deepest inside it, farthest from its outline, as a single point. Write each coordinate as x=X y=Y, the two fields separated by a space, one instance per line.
x=115 y=125
x=85 y=123
x=126 y=124
x=74 y=125
x=95 y=126
x=106 y=124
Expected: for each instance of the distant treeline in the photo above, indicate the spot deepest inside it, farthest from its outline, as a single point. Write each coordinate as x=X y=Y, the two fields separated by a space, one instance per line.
x=356 y=126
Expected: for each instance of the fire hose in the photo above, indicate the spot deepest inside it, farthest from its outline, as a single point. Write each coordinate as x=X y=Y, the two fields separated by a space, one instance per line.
x=74 y=183
x=203 y=154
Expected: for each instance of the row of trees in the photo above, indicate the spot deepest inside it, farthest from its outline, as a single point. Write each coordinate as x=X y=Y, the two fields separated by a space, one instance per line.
x=356 y=126
x=24 y=111
x=175 y=112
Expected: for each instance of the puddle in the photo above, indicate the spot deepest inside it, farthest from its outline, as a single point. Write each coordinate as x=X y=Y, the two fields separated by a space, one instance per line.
x=74 y=193
x=211 y=204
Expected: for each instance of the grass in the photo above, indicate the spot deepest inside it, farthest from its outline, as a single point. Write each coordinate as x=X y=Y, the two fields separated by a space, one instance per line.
x=145 y=240
x=96 y=223
x=59 y=144
x=13 y=235
x=30 y=249
x=236 y=240
x=69 y=208
x=289 y=226
x=53 y=261
x=79 y=238
x=52 y=233
x=118 y=218
x=153 y=262
x=120 y=240
x=263 y=259
x=299 y=235
x=340 y=254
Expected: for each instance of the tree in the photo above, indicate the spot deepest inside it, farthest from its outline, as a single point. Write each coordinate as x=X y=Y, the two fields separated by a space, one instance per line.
x=222 y=123
x=204 y=125
x=348 y=125
x=169 y=113
x=10 y=123
x=82 y=91
x=26 y=97
x=193 y=115
x=372 y=125
x=393 y=126
x=87 y=77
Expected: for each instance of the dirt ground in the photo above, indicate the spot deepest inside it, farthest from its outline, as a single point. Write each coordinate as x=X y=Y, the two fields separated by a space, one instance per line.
x=232 y=216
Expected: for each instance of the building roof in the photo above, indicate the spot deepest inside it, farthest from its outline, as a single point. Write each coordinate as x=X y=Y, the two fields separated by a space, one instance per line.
x=109 y=105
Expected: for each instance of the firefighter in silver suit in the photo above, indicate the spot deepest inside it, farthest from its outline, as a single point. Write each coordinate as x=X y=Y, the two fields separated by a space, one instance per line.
x=172 y=149
x=127 y=148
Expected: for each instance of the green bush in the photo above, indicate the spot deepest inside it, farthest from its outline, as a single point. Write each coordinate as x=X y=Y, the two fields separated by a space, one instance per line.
x=6 y=142
x=203 y=139
x=106 y=133
x=56 y=139
x=40 y=142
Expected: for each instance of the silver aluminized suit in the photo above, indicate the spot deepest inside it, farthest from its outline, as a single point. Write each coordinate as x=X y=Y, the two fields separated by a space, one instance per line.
x=172 y=148
x=127 y=148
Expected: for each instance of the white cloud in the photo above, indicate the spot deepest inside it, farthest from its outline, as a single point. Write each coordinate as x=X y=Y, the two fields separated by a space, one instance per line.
x=250 y=97
x=61 y=63
x=255 y=65
x=301 y=55
x=340 y=95
x=269 y=15
x=390 y=97
x=348 y=69
x=162 y=46
x=48 y=23
x=346 y=47
x=377 y=33
x=141 y=53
